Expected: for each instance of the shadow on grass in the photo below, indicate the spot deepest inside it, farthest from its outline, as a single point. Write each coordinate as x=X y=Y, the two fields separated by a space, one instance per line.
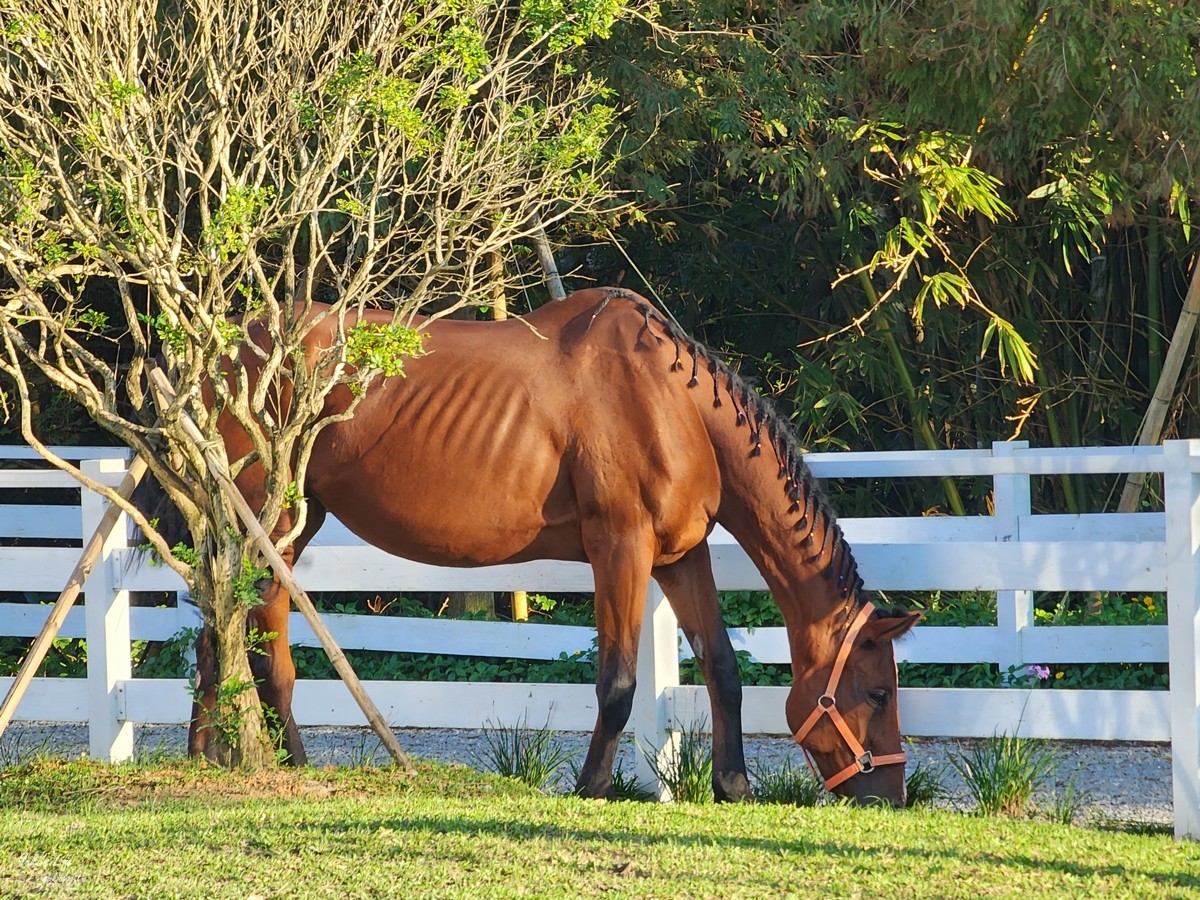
x=1188 y=878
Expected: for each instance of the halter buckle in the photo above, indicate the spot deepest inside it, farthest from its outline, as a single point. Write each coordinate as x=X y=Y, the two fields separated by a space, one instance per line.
x=866 y=762
x=822 y=701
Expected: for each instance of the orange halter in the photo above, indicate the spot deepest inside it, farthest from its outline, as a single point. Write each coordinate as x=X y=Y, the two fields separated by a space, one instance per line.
x=864 y=760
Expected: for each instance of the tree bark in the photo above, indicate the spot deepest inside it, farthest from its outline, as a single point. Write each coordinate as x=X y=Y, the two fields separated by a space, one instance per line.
x=241 y=739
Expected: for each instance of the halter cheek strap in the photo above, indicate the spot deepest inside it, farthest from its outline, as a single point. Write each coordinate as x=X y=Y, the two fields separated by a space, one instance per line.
x=864 y=760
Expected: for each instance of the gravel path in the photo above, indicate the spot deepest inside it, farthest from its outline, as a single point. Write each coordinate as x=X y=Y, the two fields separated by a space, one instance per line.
x=1119 y=782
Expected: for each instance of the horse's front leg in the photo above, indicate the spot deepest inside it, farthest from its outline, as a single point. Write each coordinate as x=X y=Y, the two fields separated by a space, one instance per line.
x=273 y=668
x=271 y=658
x=621 y=573
x=692 y=592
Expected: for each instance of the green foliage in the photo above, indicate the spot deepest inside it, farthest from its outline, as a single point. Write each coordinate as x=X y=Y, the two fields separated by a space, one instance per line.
x=256 y=640
x=118 y=92
x=186 y=554
x=897 y=193
x=18 y=27
x=165 y=659
x=751 y=671
x=463 y=48
x=245 y=585
x=749 y=609
x=625 y=785
x=1066 y=804
x=457 y=833
x=567 y=23
x=171 y=333
x=1002 y=772
x=373 y=345
x=65 y=658
x=233 y=224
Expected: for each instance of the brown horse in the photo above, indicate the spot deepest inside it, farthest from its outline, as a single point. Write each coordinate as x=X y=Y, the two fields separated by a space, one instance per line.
x=594 y=430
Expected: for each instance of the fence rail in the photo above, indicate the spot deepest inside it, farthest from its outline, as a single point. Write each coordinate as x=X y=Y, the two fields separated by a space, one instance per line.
x=1013 y=552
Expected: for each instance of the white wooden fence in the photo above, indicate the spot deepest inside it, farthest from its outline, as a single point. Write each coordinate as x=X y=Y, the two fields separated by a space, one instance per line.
x=1012 y=552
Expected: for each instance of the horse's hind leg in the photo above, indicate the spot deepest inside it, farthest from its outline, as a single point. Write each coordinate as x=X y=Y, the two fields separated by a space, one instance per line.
x=621 y=574
x=692 y=592
x=205 y=700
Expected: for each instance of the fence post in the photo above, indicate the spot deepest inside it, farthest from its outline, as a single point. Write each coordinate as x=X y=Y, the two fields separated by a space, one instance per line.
x=1181 y=459
x=657 y=673
x=106 y=613
x=1014 y=609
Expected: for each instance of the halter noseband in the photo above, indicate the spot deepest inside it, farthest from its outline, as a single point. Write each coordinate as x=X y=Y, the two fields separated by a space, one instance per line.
x=864 y=760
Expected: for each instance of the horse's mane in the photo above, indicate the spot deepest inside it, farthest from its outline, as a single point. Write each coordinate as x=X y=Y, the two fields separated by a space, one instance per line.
x=756 y=413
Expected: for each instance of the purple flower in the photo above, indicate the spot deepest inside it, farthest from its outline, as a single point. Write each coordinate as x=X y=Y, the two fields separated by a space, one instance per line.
x=1039 y=672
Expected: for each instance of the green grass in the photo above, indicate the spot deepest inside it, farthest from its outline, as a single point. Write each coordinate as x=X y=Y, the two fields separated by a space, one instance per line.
x=82 y=829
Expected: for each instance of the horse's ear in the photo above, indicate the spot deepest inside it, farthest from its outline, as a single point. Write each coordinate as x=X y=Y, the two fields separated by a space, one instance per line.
x=890 y=627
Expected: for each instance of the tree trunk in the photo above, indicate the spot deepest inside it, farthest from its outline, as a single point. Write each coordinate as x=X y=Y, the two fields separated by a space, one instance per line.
x=239 y=738
x=459 y=603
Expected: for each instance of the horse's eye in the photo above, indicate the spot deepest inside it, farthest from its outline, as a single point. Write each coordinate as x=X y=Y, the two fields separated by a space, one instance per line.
x=879 y=698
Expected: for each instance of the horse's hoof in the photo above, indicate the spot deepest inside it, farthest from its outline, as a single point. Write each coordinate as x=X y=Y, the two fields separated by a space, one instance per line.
x=732 y=787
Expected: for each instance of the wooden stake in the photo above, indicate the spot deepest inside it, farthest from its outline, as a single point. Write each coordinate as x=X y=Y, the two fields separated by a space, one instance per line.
x=283 y=572
x=70 y=593
x=1164 y=391
x=545 y=255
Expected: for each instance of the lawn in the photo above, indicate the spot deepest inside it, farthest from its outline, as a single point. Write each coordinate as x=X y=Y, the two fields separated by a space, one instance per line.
x=174 y=829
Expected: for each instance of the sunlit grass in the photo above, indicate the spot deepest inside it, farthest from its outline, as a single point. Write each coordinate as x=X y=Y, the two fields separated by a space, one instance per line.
x=185 y=830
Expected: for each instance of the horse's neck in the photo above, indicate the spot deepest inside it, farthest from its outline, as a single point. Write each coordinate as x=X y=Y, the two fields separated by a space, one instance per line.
x=772 y=506
x=802 y=578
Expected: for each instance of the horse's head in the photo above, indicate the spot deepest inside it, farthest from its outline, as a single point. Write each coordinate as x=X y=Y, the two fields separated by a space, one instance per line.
x=843 y=711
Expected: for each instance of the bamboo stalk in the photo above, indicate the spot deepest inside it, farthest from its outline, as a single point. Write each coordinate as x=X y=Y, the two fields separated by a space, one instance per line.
x=70 y=593
x=1151 y=428
x=283 y=572
x=1153 y=300
x=921 y=423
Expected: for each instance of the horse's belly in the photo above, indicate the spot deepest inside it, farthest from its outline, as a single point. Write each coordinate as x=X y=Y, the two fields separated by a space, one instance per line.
x=456 y=525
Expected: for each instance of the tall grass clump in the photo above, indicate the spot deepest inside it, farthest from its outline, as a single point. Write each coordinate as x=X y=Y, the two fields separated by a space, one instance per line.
x=1002 y=772
x=1066 y=805
x=788 y=785
x=687 y=772
x=530 y=755
x=925 y=785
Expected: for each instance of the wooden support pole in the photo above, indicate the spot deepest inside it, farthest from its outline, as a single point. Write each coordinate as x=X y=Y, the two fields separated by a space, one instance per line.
x=1151 y=429
x=520 y=599
x=545 y=254
x=283 y=572
x=70 y=593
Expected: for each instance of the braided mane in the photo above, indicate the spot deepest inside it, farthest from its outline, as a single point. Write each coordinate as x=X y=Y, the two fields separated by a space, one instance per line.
x=756 y=413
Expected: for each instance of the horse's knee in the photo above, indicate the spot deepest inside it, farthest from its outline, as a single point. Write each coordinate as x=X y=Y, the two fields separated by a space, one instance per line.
x=614 y=695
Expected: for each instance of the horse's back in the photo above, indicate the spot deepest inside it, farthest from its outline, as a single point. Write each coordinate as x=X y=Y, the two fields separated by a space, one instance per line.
x=517 y=440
